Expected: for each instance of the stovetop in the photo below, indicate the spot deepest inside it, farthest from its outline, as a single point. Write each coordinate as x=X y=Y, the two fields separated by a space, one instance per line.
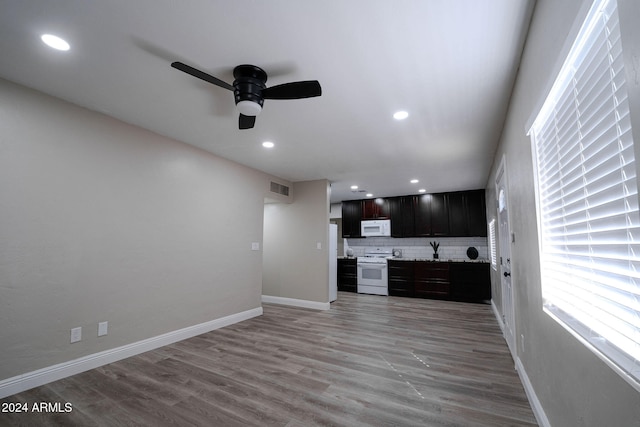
x=376 y=255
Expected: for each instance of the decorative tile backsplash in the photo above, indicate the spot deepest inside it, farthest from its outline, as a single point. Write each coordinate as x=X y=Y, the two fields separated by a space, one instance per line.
x=418 y=247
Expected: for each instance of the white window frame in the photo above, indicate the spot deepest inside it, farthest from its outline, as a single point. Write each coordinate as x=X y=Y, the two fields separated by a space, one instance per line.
x=598 y=304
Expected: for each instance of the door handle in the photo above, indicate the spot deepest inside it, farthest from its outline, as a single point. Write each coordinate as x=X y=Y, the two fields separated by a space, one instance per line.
x=507 y=274
x=372 y=266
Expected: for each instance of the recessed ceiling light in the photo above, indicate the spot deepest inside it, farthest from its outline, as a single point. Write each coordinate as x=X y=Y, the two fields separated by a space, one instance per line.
x=369 y=195
x=414 y=181
x=268 y=144
x=354 y=187
x=55 y=42
x=422 y=190
x=400 y=115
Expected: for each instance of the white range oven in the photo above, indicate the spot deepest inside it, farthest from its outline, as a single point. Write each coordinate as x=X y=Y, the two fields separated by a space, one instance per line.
x=373 y=271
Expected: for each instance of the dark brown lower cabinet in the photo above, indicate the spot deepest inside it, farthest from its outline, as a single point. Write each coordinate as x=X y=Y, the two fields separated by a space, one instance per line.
x=470 y=281
x=347 y=274
x=455 y=281
x=401 y=278
x=431 y=279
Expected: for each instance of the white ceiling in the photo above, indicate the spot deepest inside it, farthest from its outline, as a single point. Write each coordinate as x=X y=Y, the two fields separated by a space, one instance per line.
x=450 y=63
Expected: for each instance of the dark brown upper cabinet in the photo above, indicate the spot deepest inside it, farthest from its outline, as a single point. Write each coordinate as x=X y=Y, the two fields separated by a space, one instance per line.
x=375 y=208
x=402 y=212
x=431 y=217
x=351 y=217
x=467 y=215
x=423 y=215
x=439 y=217
x=455 y=214
x=476 y=213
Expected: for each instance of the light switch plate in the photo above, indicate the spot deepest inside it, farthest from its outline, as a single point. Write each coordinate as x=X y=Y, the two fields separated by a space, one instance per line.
x=103 y=328
x=76 y=334
x=255 y=246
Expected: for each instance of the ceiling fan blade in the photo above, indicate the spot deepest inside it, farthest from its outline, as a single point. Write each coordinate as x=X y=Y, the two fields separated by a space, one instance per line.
x=246 y=122
x=294 y=90
x=201 y=75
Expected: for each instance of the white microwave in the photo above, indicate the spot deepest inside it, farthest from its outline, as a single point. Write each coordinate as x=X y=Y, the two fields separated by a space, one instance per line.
x=374 y=228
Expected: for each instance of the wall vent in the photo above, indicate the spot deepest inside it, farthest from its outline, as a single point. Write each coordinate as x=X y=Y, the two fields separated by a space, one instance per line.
x=279 y=189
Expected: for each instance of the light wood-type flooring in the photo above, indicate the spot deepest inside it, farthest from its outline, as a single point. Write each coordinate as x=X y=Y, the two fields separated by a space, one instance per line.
x=368 y=361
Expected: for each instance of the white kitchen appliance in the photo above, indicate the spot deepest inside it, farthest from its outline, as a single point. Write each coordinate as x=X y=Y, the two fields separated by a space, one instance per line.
x=373 y=271
x=375 y=228
x=333 y=262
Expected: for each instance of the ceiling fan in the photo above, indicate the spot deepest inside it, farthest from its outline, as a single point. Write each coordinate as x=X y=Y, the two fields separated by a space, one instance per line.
x=250 y=90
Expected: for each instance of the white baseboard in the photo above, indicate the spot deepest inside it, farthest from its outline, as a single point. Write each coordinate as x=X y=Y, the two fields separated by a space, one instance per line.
x=536 y=406
x=49 y=374
x=296 y=302
x=498 y=316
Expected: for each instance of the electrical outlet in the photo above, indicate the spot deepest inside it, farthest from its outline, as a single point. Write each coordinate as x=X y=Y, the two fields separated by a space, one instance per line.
x=319 y=245
x=255 y=246
x=76 y=334
x=103 y=327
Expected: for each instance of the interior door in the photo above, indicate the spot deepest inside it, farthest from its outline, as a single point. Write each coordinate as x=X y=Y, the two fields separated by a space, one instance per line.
x=505 y=261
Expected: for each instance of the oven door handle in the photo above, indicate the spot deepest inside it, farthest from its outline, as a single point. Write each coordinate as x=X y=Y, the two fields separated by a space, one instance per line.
x=373 y=266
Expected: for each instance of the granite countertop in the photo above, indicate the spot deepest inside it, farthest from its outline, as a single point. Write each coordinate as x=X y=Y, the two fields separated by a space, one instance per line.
x=477 y=261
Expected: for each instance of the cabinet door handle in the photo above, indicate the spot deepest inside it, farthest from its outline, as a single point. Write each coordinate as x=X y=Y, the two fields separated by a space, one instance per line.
x=507 y=274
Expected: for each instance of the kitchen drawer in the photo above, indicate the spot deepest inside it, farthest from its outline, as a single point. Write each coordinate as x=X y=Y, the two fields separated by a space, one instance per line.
x=431 y=279
x=347 y=275
x=401 y=288
x=432 y=288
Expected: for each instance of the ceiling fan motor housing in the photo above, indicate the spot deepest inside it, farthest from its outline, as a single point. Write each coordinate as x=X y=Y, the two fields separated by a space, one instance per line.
x=250 y=90
x=249 y=83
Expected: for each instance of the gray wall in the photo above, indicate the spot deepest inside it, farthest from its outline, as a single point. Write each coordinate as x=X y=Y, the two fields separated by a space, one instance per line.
x=103 y=221
x=293 y=265
x=574 y=387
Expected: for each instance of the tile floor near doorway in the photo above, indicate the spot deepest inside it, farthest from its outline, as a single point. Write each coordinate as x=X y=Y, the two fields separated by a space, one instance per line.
x=368 y=361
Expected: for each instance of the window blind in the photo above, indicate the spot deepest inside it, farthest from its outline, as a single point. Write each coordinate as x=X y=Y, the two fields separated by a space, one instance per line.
x=588 y=199
x=492 y=244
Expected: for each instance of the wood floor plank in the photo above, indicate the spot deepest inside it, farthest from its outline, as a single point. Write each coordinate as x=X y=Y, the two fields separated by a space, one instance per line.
x=368 y=361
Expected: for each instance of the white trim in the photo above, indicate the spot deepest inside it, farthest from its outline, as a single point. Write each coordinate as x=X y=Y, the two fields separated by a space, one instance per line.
x=296 y=302
x=632 y=381
x=536 y=406
x=498 y=316
x=49 y=374
x=559 y=62
x=508 y=315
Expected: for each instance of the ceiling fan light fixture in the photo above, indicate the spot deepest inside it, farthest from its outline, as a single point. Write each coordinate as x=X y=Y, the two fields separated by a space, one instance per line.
x=248 y=108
